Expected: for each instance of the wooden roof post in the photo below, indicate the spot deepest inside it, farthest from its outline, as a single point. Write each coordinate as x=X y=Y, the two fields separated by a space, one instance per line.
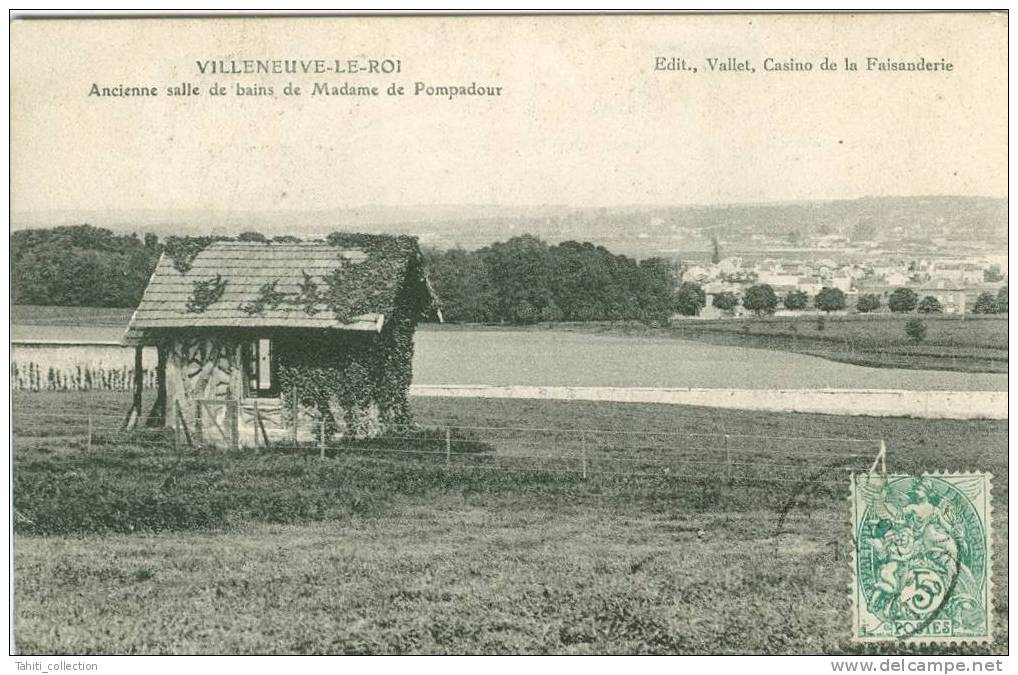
x=157 y=417
x=135 y=412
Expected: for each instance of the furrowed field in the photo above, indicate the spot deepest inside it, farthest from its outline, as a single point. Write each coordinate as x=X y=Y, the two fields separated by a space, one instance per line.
x=126 y=545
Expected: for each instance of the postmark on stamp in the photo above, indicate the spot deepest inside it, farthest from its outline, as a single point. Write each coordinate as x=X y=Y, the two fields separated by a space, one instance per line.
x=922 y=558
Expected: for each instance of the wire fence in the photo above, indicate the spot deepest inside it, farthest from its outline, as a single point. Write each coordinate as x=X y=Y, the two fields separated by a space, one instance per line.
x=583 y=452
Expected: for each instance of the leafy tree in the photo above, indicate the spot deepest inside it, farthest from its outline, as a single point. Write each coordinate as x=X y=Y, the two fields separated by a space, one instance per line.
x=519 y=273
x=1002 y=300
x=81 y=266
x=830 y=300
x=930 y=305
x=868 y=302
x=903 y=300
x=252 y=236
x=992 y=275
x=796 y=300
x=523 y=278
x=986 y=303
x=915 y=329
x=286 y=239
x=461 y=284
x=690 y=299
x=654 y=284
x=760 y=299
x=726 y=301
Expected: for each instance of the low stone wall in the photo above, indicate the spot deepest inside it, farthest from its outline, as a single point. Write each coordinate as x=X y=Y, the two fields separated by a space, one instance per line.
x=875 y=402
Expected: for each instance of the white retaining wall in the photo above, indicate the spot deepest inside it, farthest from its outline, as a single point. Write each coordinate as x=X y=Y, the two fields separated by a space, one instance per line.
x=876 y=402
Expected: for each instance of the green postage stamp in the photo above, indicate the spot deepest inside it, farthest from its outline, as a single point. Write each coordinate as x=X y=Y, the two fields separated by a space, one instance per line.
x=921 y=569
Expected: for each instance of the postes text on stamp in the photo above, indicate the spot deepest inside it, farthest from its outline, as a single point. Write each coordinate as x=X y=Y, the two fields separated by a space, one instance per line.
x=921 y=569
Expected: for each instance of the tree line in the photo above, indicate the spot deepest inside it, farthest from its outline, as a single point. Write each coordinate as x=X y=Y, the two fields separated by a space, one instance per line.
x=520 y=281
x=762 y=300
x=81 y=266
x=525 y=280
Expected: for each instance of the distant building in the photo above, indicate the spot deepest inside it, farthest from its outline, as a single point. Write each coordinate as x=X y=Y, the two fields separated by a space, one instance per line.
x=958 y=272
x=947 y=292
x=811 y=285
x=730 y=266
x=696 y=273
x=842 y=281
x=896 y=278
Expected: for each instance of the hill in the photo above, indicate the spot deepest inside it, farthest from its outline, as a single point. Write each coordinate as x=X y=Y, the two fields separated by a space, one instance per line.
x=631 y=229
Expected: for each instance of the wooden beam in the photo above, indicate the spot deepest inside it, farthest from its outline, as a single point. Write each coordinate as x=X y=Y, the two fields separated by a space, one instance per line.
x=135 y=412
x=139 y=378
x=157 y=415
x=261 y=425
x=182 y=421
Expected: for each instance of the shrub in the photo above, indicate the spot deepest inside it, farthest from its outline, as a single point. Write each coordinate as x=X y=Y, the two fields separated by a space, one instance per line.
x=760 y=299
x=690 y=299
x=986 y=303
x=903 y=300
x=252 y=236
x=868 y=302
x=796 y=300
x=915 y=329
x=930 y=305
x=830 y=300
x=726 y=301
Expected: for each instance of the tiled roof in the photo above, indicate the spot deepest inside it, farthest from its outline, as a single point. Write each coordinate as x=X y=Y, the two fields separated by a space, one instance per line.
x=248 y=266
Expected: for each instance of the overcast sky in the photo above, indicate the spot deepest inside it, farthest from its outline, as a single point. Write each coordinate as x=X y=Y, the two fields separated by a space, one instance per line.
x=583 y=120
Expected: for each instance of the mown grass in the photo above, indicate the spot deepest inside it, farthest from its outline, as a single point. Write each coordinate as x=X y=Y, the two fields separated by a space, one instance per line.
x=132 y=548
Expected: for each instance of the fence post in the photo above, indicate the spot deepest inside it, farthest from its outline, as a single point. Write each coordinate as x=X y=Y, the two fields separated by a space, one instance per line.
x=199 y=433
x=448 y=447
x=233 y=410
x=583 y=449
x=728 y=461
x=321 y=438
x=257 y=421
x=294 y=415
x=89 y=442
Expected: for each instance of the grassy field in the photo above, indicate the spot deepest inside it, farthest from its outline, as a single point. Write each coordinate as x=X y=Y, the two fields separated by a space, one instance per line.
x=975 y=344
x=130 y=547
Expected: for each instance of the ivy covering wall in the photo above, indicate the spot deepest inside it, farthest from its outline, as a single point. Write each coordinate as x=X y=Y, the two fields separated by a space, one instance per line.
x=357 y=382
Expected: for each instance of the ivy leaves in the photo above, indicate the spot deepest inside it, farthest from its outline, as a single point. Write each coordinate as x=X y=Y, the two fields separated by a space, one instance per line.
x=183 y=250
x=351 y=289
x=205 y=292
x=268 y=297
x=308 y=296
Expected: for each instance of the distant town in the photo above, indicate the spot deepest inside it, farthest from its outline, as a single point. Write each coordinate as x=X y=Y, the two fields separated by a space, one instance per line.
x=860 y=271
